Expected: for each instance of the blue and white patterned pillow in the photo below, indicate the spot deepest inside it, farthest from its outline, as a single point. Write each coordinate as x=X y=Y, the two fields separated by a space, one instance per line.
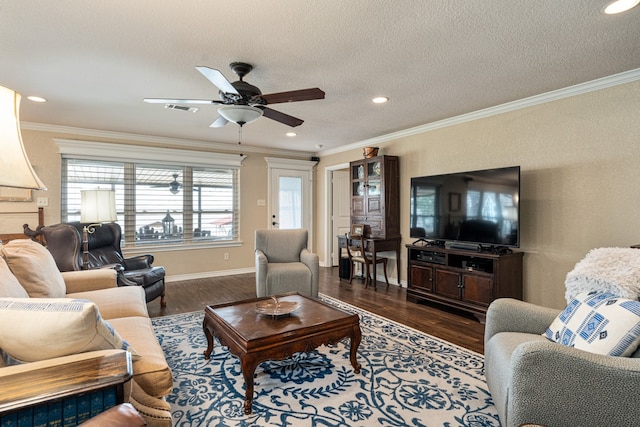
x=598 y=322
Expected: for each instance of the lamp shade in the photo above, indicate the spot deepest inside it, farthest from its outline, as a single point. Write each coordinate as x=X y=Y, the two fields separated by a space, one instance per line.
x=98 y=206
x=15 y=168
x=240 y=114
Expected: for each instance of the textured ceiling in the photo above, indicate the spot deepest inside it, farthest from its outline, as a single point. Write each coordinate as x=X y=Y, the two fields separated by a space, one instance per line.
x=434 y=59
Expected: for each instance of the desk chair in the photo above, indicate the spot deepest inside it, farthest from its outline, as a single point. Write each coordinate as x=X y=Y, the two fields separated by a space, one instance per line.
x=356 y=250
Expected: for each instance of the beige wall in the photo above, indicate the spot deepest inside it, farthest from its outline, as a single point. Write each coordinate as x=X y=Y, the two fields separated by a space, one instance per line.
x=580 y=166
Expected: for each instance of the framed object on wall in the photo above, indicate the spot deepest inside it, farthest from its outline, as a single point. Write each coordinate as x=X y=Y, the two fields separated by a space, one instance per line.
x=454 y=202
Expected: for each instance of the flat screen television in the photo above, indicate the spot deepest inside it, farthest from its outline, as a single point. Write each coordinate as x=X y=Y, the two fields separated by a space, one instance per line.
x=478 y=208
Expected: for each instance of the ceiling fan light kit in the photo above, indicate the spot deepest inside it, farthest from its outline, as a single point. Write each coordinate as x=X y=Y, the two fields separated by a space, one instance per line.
x=240 y=114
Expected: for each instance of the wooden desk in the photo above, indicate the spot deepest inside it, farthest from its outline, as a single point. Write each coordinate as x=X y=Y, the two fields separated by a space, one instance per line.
x=375 y=245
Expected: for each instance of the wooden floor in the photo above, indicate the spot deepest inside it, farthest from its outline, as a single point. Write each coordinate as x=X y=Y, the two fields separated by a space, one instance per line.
x=455 y=327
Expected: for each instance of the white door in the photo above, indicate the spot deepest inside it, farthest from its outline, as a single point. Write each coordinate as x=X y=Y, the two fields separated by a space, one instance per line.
x=341 y=209
x=290 y=201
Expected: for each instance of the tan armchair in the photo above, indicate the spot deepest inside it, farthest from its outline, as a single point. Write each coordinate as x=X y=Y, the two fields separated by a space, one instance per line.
x=284 y=264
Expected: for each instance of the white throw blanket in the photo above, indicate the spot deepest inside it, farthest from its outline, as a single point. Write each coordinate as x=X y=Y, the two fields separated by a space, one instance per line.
x=616 y=270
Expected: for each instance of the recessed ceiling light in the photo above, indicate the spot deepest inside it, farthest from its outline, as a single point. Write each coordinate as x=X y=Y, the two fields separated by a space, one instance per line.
x=36 y=99
x=619 y=6
x=291 y=134
x=383 y=99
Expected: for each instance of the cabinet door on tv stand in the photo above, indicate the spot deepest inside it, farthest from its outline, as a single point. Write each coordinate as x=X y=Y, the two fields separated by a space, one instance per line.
x=422 y=278
x=477 y=289
x=447 y=284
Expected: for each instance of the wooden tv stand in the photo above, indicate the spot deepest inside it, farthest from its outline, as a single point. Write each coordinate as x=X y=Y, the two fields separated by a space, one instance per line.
x=463 y=279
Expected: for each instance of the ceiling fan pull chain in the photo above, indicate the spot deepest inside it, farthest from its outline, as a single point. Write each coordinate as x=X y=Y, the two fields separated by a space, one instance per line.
x=240 y=139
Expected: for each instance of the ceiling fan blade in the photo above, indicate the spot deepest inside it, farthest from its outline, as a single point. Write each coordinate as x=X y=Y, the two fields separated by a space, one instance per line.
x=218 y=79
x=281 y=117
x=219 y=122
x=181 y=101
x=293 y=96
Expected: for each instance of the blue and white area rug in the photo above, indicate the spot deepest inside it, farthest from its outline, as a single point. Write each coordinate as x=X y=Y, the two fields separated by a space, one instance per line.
x=407 y=378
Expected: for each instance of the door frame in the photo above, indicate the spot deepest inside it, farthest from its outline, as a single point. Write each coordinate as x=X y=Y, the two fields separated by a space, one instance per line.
x=330 y=240
x=307 y=187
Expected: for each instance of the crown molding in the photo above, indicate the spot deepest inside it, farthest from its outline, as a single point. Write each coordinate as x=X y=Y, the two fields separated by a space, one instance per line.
x=150 y=139
x=579 y=89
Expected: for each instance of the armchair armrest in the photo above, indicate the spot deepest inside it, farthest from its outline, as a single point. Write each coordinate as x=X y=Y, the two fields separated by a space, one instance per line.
x=577 y=387
x=89 y=280
x=512 y=315
x=261 y=272
x=310 y=260
x=138 y=262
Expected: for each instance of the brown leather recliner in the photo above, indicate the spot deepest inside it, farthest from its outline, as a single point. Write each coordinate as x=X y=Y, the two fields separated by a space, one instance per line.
x=64 y=241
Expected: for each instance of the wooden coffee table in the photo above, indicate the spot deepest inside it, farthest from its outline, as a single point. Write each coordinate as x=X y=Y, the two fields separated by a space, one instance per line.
x=255 y=337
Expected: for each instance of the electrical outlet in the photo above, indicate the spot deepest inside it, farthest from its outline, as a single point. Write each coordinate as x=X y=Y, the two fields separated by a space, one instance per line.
x=262 y=202
x=43 y=201
x=226 y=256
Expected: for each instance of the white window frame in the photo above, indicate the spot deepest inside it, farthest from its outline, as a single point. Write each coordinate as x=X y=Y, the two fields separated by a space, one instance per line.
x=104 y=151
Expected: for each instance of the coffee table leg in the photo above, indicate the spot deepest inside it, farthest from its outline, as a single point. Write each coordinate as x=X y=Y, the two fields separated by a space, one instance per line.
x=355 y=342
x=248 y=370
x=207 y=333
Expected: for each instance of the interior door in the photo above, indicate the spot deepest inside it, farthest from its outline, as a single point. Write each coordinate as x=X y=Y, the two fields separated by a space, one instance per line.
x=340 y=213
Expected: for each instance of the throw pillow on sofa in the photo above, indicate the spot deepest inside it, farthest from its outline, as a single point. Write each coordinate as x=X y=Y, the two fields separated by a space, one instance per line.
x=598 y=322
x=9 y=285
x=33 y=329
x=34 y=267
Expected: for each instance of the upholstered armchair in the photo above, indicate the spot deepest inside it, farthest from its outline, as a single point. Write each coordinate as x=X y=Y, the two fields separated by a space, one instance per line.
x=284 y=264
x=64 y=241
x=535 y=380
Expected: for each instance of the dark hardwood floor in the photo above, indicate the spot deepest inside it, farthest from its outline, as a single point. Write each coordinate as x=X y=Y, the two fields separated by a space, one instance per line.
x=453 y=326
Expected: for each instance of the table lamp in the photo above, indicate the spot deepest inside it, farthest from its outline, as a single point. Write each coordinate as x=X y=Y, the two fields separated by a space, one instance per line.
x=96 y=207
x=17 y=171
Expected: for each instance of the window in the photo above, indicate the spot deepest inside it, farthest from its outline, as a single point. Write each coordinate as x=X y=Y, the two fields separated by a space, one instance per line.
x=159 y=203
x=492 y=206
x=423 y=208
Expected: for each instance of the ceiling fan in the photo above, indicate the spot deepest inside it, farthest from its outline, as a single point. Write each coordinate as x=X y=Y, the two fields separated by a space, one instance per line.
x=175 y=186
x=242 y=102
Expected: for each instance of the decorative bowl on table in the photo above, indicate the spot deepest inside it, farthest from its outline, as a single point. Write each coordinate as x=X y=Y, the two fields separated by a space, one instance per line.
x=276 y=308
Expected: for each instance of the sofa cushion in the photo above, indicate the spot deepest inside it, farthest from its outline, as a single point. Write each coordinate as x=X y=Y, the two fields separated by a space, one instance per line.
x=151 y=371
x=598 y=322
x=34 y=267
x=33 y=329
x=125 y=301
x=9 y=285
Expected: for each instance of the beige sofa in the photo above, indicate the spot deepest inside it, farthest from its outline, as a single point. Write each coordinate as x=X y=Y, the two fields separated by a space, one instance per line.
x=28 y=275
